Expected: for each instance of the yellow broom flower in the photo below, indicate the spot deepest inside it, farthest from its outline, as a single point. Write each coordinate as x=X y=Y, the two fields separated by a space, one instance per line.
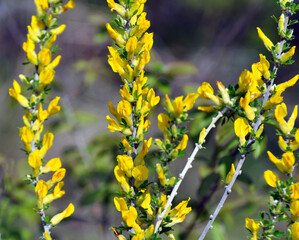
x=271 y=178
x=66 y=213
x=268 y=44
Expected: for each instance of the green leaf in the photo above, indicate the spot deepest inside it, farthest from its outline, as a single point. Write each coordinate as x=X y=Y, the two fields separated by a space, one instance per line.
x=218 y=232
x=278 y=234
x=259 y=147
x=55 y=49
x=86 y=118
x=180 y=69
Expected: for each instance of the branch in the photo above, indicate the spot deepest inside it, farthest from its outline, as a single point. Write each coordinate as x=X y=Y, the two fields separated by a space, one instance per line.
x=255 y=126
x=185 y=170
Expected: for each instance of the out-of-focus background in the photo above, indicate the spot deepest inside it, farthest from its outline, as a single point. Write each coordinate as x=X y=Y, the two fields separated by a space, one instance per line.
x=194 y=41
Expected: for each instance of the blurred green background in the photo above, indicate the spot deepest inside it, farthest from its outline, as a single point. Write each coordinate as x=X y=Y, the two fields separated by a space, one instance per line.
x=194 y=41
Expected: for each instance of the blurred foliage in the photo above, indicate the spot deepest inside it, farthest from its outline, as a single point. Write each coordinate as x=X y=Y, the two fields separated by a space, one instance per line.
x=16 y=204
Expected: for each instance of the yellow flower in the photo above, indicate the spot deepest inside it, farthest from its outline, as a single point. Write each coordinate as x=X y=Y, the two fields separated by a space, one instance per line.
x=263 y=67
x=230 y=174
x=137 y=8
x=260 y=131
x=149 y=231
x=253 y=226
x=36 y=27
x=131 y=46
x=163 y=201
x=142 y=25
x=54 y=63
x=283 y=86
x=266 y=41
x=125 y=163
x=152 y=99
x=47 y=143
x=286 y=56
x=41 y=6
x=242 y=128
x=202 y=136
x=41 y=190
x=113 y=126
x=53 y=107
x=120 y=204
x=294 y=209
x=49 y=43
x=44 y=58
x=163 y=122
x=138 y=236
x=52 y=165
x=285 y=165
x=244 y=103
x=46 y=77
x=180 y=105
x=146 y=202
x=281 y=23
x=57 y=177
x=42 y=115
x=140 y=129
x=206 y=92
x=168 y=105
x=178 y=214
x=114 y=112
x=206 y=109
x=35 y=162
x=124 y=109
x=116 y=62
x=125 y=93
x=274 y=99
x=57 y=193
x=47 y=236
x=224 y=93
x=189 y=101
x=58 y=30
x=29 y=47
x=146 y=42
x=281 y=112
x=27 y=136
x=143 y=59
x=161 y=175
x=139 y=160
x=126 y=145
x=60 y=216
x=247 y=82
x=122 y=179
x=271 y=178
x=294 y=191
x=15 y=92
x=117 y=7
x=140 y=173
x=295 y=231
x=183 y=144
x=119 y=40
x=69 y=5
x=129 y=216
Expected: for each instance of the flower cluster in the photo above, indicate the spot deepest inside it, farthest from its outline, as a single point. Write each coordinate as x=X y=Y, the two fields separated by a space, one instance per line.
x=140 y=201
x=284 y=201
x=128 y=59
x=42 y=32
x=250 y=104
x=173 y=146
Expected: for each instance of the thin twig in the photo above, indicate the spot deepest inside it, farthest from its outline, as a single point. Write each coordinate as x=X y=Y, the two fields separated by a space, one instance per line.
x=185 y=170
